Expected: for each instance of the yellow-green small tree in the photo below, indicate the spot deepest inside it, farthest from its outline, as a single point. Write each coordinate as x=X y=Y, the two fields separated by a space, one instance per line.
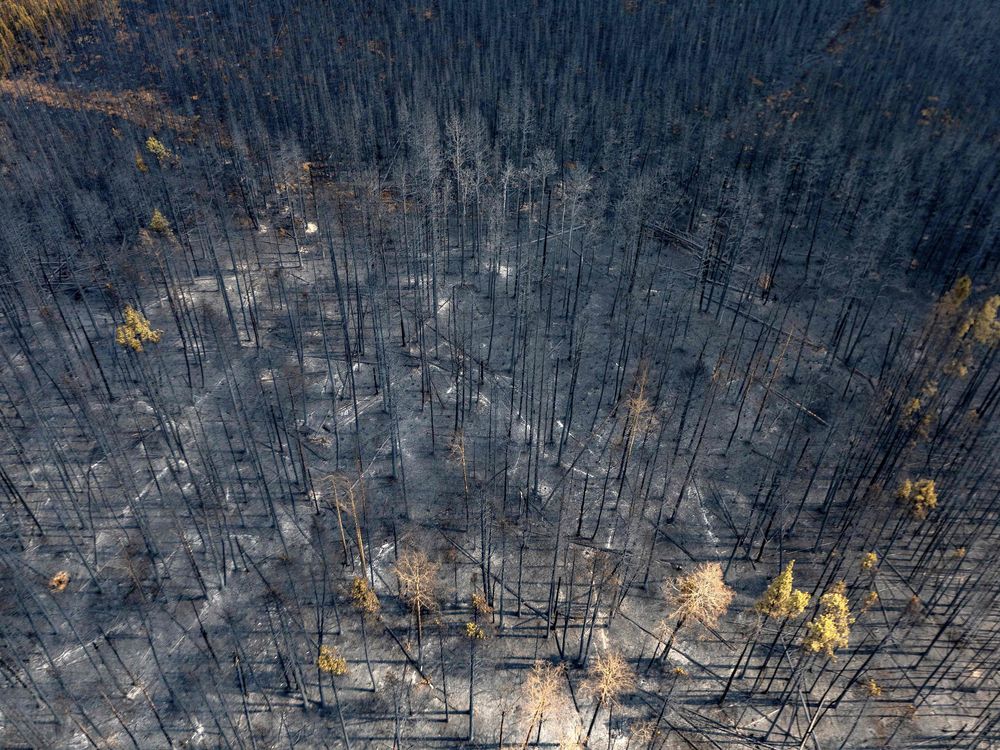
x=917 y=412
x=951 y=301
x=156 y=148
x=950 y=323
x=831 y=628
x=986 y=328
x=367 y=603
x=136 y=330
x=781 y=599
x=332 y=663
x=978 y=325
x=474 y=632
x=919 y=496
x=869 y=561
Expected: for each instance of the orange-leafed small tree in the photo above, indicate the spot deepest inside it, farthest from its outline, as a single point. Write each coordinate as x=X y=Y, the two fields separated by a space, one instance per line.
x=610 y=677
x=701 y=595
x=540 y=693
x=418 y=585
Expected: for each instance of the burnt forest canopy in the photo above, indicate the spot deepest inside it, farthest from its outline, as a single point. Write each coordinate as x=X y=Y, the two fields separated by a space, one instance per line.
x=544 y=373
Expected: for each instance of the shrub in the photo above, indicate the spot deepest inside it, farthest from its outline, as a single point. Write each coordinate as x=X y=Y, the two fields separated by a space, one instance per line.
x=158 y=222
x=59 y=581
x=363 y=596
x=331 y=662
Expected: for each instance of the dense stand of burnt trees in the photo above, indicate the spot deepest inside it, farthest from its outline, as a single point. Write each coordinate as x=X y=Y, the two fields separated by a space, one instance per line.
x=440 y=374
